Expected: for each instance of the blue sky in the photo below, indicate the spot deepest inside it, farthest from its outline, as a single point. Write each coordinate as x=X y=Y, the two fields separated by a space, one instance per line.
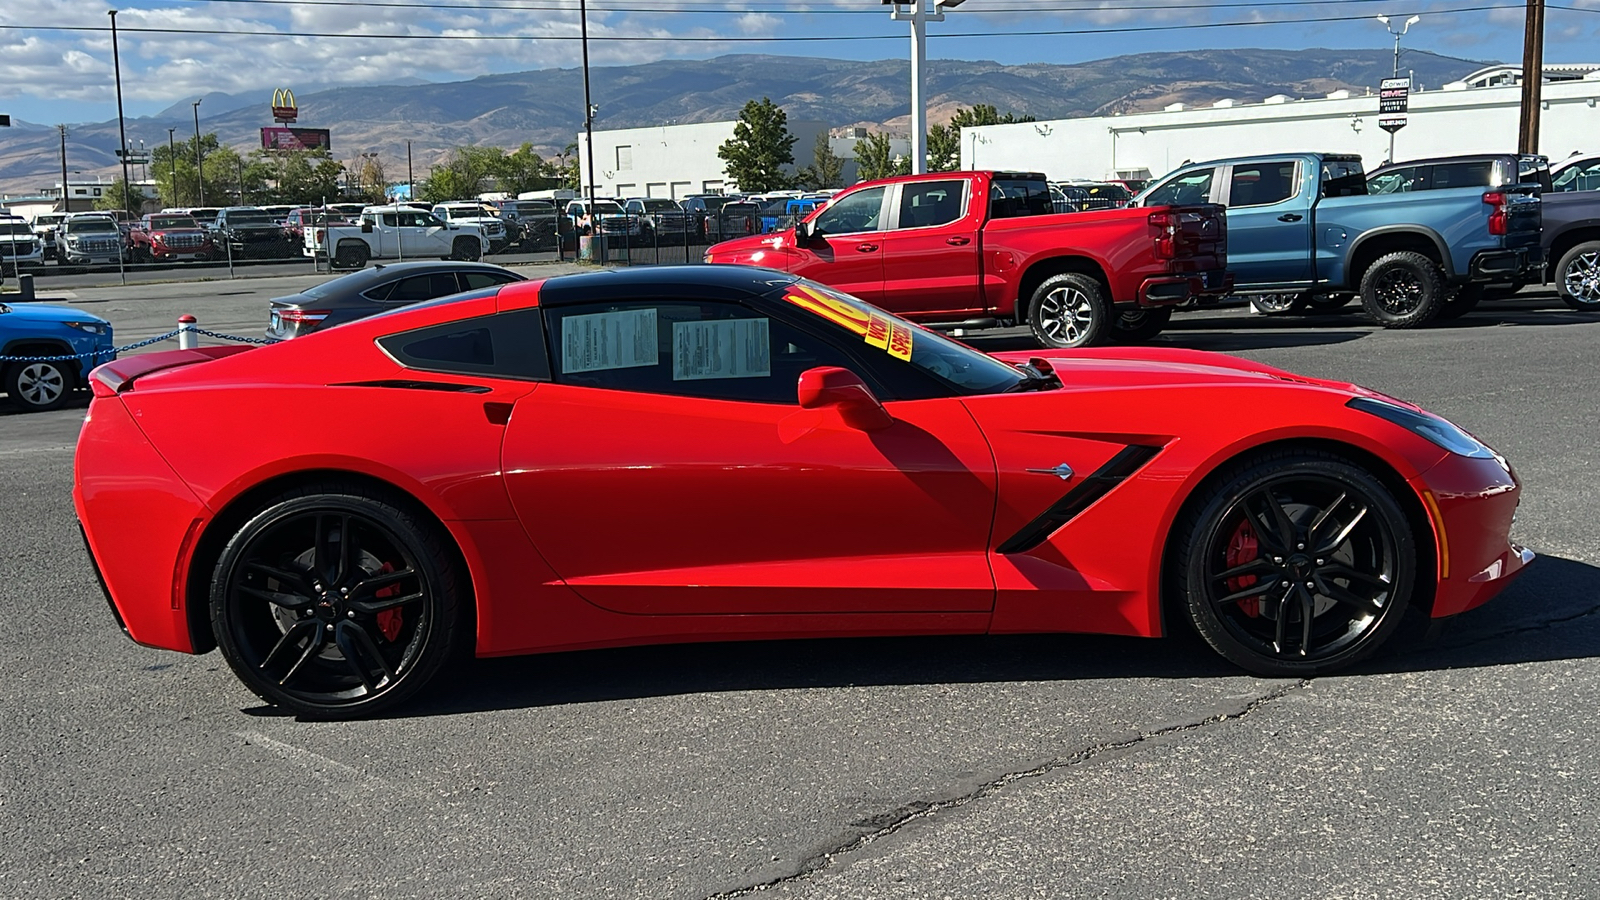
x=55 y=76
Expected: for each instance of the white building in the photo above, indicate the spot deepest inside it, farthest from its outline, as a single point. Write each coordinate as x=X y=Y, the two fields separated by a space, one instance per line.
x=678 y=160
x=1458 y=118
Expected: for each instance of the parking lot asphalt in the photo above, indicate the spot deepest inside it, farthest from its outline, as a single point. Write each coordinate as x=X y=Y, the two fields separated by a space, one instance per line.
x=1041 y=766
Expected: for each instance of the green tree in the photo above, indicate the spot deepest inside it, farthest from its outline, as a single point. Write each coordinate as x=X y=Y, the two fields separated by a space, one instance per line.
x=524 y=170
x=186 y=190
x=826 y=169
x=302 y=177
x=121 y=196
x=875 y=158
x=566 y=169
x=944 y=141
x=760 y=147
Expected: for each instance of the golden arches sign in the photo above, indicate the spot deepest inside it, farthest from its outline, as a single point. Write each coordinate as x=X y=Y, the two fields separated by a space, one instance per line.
x=284 y=108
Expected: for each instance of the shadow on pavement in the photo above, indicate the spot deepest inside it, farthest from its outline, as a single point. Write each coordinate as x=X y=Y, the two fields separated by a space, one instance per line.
x=1540 y=617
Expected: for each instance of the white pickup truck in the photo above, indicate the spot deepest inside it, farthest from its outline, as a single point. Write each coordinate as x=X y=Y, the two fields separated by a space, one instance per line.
x=394 y=232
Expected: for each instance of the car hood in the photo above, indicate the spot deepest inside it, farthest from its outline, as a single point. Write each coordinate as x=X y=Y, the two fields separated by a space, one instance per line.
x=744 y=247
x=26 y=313
x=1168 y=367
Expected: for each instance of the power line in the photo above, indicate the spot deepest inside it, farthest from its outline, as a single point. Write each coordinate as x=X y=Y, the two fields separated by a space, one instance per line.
x=706 y=39
x=700 y=8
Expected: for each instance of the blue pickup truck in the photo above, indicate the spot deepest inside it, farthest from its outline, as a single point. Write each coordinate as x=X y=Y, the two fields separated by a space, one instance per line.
x=1303 y=230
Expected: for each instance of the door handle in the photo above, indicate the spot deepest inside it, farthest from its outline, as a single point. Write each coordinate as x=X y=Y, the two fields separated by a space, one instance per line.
x=1290 y=217
x=866 y=248
x=958 y=241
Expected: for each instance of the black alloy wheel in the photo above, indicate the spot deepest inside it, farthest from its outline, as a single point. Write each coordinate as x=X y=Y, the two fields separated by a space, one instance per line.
x=1135 y=326
x=1402 y=290
x=1297 y=564
x=335 y=603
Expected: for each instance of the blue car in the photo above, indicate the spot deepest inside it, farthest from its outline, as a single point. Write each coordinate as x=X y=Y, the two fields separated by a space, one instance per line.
x=31 y=331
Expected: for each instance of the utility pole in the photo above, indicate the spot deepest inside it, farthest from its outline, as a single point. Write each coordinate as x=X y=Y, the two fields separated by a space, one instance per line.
x=66 y=202
x=1532 y=78
x=122 y=131
x=411 y=181
x=240 y=161
x=588 y=114
x=199 y=161
x=172 y=157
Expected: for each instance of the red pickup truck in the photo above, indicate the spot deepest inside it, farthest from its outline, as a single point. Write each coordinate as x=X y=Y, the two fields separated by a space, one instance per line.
x=169 y=236
x=975 y=250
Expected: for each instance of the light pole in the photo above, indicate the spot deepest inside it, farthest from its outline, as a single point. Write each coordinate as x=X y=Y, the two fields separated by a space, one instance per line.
x=172 y=157
x=122 y=131
x=588 y=112
x=199 y=173
x=411 y=181
x=922 y=12
x=1397 y=36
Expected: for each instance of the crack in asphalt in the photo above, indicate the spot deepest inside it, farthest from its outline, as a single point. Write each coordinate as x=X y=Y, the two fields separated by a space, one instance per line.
x=1446 y=645
x=893 y=821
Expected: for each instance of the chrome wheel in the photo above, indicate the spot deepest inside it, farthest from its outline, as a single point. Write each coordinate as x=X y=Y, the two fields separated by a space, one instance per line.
x=1277 y=304
x=40 y=384
x=1066 y=314
x=1580 y=280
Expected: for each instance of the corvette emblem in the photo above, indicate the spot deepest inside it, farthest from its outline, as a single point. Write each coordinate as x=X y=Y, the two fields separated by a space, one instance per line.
x=1062 y=471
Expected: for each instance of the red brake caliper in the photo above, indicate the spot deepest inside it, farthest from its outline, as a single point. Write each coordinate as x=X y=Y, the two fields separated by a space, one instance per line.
x=1242 y=548
x=389 y=620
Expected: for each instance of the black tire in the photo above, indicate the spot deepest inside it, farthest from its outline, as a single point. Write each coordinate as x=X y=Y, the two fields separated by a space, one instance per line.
x=1462 y=301
x=351 y=255
x=1280 y=304
x=299 y=609
x=1327 y=303
x=1578 y=277
x=1135 y=326
x=39 y=386
x=1286 y=532
x=1402 y=290
x=1070 y=310
x=466 y=249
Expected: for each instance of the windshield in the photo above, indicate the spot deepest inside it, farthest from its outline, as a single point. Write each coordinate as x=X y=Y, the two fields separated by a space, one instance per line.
x=527 y=208
x=49 y=220
x=607 y=208
x=953 y=364
x=173 y=222
x=16 y=228
x=96 y=224
x=714 y=203
x=249 y=217
x=660 y=206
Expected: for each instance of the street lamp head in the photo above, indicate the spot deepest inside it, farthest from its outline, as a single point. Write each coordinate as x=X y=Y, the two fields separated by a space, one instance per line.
x=1383 y=19
x=1413 y=20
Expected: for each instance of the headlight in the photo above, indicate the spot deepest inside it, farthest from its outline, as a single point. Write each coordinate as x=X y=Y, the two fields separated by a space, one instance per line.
x=1440 y=431
x=90 y=327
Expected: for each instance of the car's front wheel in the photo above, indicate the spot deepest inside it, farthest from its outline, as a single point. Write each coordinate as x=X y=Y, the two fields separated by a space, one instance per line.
x=333 y=601
x=1578 y=277
x=39 y=386
x=466 y=249
x=1402 y=290
x=1070 y=310
x=1295 y=564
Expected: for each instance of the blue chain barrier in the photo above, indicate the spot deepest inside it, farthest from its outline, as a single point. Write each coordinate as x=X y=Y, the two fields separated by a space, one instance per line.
x=96 y=355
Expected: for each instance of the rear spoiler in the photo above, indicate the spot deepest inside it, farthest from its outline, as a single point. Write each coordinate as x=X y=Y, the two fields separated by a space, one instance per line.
x=117 y=376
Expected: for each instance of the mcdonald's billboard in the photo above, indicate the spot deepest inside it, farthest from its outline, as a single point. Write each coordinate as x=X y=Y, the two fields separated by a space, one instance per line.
x=280 y=138
x=284 y=109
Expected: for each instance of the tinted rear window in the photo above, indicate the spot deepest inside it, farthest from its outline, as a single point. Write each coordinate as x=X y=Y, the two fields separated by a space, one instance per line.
x=1011 y=197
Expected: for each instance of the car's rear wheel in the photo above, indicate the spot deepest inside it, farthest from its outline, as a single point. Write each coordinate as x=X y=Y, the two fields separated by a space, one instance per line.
x=39 y=386
x=352 y=255
x=1135 y=326
x=1327 y=303
x=1296 y=564
x=335 y=602
x=1069 y=310
x=1402 y=290
x=1578 y=277
x=466 y=249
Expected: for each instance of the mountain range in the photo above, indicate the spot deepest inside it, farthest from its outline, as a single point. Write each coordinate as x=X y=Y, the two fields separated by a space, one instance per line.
x=544 y=107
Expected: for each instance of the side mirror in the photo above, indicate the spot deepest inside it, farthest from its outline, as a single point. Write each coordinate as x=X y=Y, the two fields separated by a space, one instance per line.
x=366 y=226
x=806 y=233
x=843 y=390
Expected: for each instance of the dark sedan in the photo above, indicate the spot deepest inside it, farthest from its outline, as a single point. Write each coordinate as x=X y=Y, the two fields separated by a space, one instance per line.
x=371 y=291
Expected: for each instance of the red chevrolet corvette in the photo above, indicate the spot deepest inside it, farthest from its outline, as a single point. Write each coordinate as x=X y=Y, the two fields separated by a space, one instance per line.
x=724 y=453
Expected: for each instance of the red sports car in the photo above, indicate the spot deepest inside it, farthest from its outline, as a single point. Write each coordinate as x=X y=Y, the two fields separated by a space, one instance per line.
x=728 y=453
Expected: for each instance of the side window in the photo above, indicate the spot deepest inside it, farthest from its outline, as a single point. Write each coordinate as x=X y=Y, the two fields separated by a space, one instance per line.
x=472 y=281
x=1261 y=184
x=930 y=203
x=424 y=287
x=855 y=213
x=707 y=349
x=380 y=293
x=1579 y=177
x=1398 y=181
x=1479 y=174
x=505 y=345
x=390 y=220
x=1192 y=187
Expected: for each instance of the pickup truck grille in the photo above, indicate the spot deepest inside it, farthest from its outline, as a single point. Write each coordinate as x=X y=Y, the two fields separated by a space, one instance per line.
x=182 y=241
x=259 y=237
x=99 y=245
x=16 y=248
